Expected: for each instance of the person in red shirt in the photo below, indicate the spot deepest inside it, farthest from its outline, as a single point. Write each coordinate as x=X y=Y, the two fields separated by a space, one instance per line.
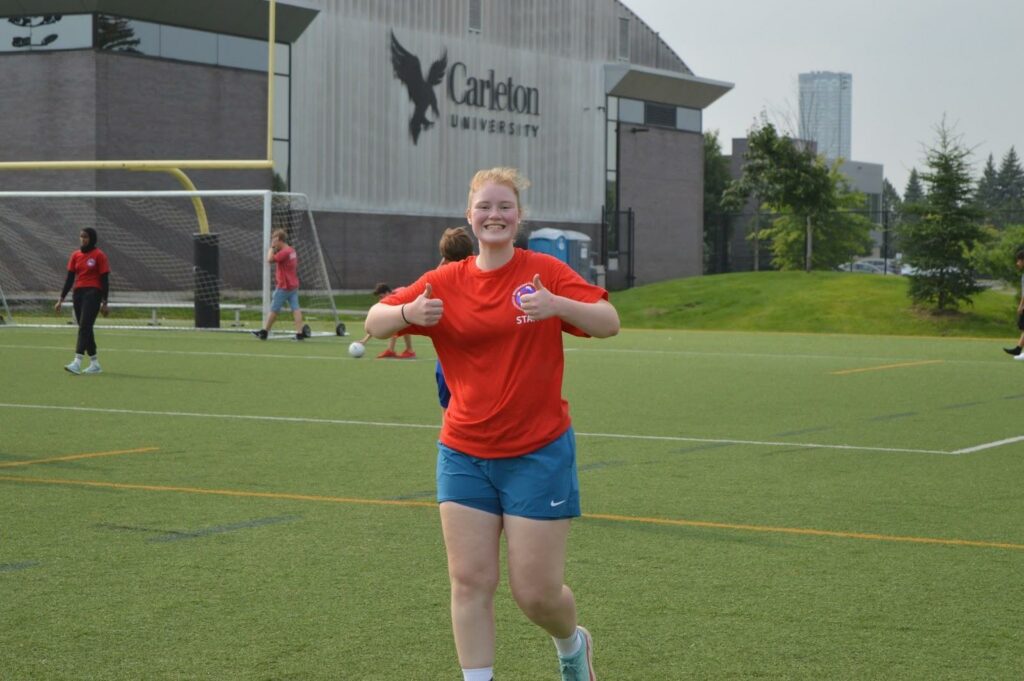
x=506 y=453
x=89 y=274
x=286 y=284
x=382 y=290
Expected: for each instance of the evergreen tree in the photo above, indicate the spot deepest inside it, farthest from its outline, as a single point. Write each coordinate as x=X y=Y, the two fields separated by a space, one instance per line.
x=937 y=245
x=1011 y=188
x=987 y=196
x=914 y=192
x=892 y=213
x=716 y=180
x=890 y=197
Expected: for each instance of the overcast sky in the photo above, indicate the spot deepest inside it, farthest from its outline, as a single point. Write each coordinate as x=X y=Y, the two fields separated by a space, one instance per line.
x=912 y=61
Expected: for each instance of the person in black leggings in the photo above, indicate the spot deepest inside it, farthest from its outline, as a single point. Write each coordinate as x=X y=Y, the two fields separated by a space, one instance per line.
x=89 y=274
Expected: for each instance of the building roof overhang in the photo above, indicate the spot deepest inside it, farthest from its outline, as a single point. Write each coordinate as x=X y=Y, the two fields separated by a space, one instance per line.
x=247 y=18
x=666 y=87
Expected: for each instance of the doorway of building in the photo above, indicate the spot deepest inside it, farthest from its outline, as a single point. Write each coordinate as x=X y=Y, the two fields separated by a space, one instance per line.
x=617 y=248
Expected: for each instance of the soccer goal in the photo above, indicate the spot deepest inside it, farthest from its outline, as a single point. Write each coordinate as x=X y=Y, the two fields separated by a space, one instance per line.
x=178 y=259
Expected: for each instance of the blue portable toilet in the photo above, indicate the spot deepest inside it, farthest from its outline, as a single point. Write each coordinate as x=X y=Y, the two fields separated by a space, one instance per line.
x=550 y=241
x=578 y=246
x=571 y=247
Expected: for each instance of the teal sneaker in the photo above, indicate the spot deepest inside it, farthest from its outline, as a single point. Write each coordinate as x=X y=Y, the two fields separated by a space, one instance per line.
x=579 y=667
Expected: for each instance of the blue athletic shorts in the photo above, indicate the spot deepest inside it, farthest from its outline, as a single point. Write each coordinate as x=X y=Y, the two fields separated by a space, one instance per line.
x=541 y=485
x=281 y=296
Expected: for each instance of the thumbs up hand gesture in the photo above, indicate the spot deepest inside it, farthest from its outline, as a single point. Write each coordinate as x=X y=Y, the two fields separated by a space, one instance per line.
x=424 y=311
x=542 y=304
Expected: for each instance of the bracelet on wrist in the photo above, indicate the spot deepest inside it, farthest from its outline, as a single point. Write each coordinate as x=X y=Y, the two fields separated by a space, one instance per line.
x=402 y=310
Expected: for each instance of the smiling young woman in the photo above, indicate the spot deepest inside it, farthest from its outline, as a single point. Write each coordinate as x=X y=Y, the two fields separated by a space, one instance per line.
x=507 y=452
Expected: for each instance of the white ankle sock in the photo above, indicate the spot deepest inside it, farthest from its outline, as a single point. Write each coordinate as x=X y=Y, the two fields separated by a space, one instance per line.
x=479 y=674
x=567 y=647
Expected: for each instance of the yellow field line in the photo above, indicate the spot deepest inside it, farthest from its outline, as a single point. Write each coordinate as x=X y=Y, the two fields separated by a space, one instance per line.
x=591 y=516
x=806 y=531
x=221 y=492
x=887 y=366
x=72 y=457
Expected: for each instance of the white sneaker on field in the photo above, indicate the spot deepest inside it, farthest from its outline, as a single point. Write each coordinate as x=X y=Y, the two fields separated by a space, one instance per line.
x=579 y=667
x=93 y=368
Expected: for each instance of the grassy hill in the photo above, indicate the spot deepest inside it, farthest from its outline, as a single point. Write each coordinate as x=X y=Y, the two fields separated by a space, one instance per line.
x=818 y=302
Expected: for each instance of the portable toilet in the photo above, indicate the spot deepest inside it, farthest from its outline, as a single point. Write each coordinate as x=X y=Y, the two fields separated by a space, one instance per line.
x=578 y=245
x=550 y=241
x=572 y=248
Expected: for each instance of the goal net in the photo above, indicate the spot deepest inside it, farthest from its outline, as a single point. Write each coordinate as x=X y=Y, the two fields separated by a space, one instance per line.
x=178 y=259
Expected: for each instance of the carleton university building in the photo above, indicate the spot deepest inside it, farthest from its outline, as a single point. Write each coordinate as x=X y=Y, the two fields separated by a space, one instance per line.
x=383 y=112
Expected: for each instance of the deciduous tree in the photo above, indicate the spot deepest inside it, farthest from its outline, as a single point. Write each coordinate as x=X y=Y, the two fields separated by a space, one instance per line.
x=838 y=233
x=786 y=177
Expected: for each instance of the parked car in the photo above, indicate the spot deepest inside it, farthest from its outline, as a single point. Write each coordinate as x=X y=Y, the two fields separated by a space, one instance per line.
x=872 y=266
x=863 y=267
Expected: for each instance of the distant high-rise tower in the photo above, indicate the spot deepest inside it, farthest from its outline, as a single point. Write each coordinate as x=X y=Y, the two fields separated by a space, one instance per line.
x=825 y=111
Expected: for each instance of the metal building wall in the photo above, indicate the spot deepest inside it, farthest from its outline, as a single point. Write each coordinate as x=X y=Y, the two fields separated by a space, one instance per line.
x=352 y=149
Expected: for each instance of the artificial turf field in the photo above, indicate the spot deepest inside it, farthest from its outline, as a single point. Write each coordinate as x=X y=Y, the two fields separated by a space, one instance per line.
x=757 y=506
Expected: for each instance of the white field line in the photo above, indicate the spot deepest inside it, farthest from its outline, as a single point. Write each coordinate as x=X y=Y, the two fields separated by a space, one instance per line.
x=341 y=355
x=348 y=422
x=344 y=356
x=780 y=355
x=201 y=353
x=989 y=445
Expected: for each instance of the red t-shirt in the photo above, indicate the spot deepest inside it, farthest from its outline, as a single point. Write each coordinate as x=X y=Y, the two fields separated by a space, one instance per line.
x=88 y=268
x=286 y=276
x=504 y=371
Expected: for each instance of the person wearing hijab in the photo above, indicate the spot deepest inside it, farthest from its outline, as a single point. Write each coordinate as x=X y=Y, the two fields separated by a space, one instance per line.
x=89 y=275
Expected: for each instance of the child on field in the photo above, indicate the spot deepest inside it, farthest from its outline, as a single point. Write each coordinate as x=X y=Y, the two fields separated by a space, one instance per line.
x=380 y=291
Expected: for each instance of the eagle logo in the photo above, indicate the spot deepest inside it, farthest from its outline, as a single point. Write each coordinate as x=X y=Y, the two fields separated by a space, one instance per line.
x=421 y=90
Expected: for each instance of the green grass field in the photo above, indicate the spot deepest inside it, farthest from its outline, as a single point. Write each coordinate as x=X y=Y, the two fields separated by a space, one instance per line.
x=757 y=506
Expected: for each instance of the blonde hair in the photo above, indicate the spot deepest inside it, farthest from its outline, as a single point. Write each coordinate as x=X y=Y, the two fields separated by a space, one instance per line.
x=455 y=244
x=280 y=233
x=510 y=177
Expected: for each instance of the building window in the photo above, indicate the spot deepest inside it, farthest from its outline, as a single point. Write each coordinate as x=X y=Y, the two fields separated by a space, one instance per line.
x=46 y=32
x=475 y=16
x=660 y=115
x=623 y=39
x=187 y=44
x=121 y=34
x=631 y=111
x=688 y=119
x=243 y=53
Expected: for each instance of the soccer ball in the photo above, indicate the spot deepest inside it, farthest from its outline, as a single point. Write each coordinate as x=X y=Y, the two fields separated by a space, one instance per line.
x=356 y=349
